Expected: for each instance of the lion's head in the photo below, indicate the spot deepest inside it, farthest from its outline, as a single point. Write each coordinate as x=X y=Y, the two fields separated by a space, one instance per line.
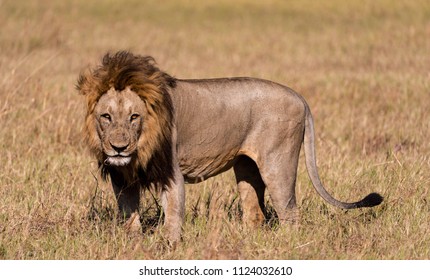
x=129 y=116
x=119 y=125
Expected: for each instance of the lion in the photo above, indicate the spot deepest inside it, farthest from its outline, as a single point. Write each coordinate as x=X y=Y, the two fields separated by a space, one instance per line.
x=149 y=129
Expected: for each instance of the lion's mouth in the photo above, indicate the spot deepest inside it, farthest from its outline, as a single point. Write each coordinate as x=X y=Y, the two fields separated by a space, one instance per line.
x=117 y=160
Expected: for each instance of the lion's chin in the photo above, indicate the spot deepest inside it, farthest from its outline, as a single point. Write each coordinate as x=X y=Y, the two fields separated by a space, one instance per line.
x=117 y=160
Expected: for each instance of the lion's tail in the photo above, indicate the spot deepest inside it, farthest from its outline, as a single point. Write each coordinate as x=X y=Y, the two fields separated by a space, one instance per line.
x=370 y=200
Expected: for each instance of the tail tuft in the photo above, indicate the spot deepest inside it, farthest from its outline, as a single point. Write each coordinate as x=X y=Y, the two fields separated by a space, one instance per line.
x=371 y=200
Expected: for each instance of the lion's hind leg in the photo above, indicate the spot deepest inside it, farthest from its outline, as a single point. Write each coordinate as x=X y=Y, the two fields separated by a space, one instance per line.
x=279 y=172
x=251 y=188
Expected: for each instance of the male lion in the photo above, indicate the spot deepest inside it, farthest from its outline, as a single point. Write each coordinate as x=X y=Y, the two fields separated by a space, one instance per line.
x=147 y=128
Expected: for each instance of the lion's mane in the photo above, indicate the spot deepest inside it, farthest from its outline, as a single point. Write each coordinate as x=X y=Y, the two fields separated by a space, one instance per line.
x=140 y=74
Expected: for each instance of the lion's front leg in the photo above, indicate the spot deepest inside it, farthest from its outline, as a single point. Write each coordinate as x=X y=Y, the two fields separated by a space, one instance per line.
x=173 y=202
x=128 y=199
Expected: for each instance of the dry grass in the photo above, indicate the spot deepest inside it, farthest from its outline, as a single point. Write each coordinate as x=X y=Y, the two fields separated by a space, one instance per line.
x=363 y=66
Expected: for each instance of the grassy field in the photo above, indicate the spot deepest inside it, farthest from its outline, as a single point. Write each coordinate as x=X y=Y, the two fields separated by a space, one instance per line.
x=363 y=67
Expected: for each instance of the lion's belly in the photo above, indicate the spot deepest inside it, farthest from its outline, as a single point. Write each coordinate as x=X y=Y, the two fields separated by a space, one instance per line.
x=199 y=168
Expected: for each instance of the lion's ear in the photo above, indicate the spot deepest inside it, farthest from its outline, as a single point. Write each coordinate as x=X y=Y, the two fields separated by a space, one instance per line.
x=87 y=85
x=83 y=85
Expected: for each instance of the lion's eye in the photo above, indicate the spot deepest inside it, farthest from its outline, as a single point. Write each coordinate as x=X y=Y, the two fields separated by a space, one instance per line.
x=134 y=117
x=106 y=117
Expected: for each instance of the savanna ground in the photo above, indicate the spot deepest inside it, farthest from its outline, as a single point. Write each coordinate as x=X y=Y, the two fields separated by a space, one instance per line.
x=363 y=67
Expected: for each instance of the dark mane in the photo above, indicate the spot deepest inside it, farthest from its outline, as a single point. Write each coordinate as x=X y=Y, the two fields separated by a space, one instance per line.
x=123 y=69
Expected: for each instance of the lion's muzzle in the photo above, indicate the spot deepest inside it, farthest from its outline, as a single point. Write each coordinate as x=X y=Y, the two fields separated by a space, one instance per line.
x=117 y=154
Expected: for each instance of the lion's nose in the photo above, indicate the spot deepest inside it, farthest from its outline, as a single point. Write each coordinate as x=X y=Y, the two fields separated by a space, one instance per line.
x=119 y=146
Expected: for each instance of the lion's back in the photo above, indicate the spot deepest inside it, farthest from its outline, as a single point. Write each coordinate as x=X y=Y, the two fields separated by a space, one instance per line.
x=242 y=97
